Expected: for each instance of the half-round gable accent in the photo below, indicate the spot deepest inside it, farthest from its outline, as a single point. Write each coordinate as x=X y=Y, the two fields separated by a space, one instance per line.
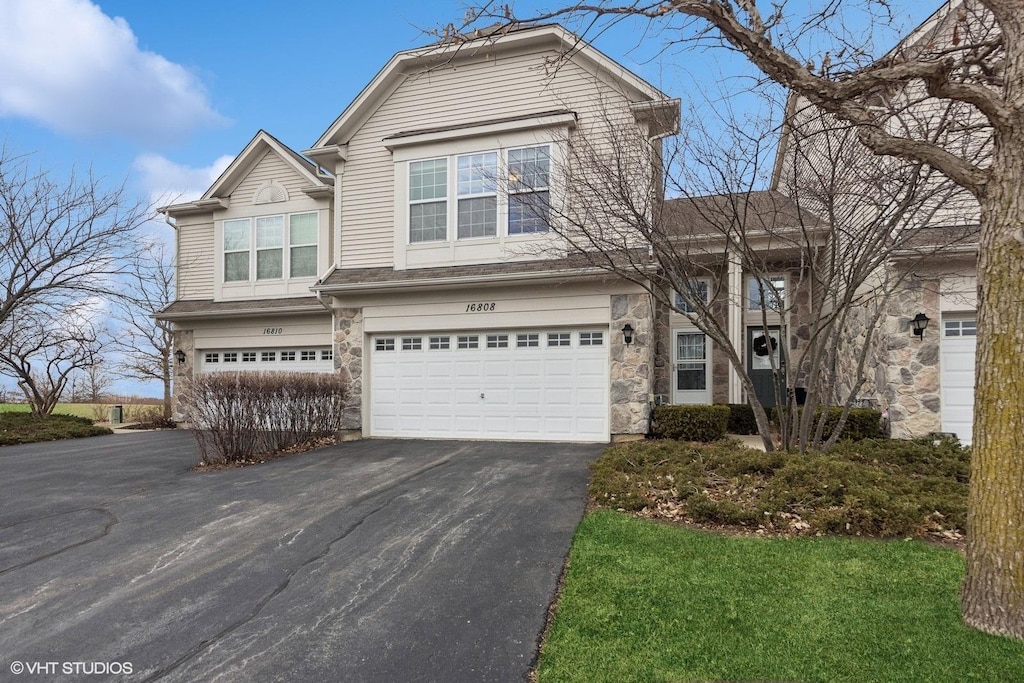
x=270 y=192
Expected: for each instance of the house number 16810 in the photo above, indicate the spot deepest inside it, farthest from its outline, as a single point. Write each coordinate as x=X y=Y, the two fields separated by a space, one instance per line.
x=273 y=330
x=479 y=308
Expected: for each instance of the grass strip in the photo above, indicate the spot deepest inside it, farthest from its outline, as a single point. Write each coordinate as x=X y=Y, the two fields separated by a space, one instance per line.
x=646 y=601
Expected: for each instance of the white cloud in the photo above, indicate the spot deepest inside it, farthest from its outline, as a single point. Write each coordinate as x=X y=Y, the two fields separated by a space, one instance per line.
x=72 y=68
x=167 y=182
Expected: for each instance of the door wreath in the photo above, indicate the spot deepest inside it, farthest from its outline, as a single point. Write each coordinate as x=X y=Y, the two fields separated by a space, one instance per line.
x=762 y=343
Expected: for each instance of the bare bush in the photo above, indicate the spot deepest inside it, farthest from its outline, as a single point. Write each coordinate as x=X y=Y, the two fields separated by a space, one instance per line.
x=238 y=416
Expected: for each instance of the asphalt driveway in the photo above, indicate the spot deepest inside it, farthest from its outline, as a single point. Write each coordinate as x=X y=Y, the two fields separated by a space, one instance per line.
x=365 y=561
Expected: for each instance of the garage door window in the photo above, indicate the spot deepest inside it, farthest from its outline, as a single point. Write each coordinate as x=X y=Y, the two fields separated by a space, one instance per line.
x=385 y=344
x=412 y=343
x=249 y=357
x=440 y=343
x=591 y=338
x=524 y=341
x=497 y=341
x=961 y=328
x=469 y=342
x=212 y=357
x=558 y=339
x=231 y=357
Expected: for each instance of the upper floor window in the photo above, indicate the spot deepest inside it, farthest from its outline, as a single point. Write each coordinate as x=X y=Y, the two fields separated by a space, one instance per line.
x=263 y=247
x=471 y=200
x=428 y=200
x=767 y=293
x=529 y=172
x=699 y=289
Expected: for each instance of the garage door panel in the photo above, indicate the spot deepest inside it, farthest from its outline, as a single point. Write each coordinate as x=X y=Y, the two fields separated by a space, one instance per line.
x=536 y=393
x=958 y=346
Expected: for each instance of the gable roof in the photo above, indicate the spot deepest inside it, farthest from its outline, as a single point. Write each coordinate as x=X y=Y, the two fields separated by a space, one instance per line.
x=242 y=165
x=485 y=41
x=262 y=142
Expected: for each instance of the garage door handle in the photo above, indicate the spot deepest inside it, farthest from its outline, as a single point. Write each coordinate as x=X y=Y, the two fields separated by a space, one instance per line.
x=481 y=395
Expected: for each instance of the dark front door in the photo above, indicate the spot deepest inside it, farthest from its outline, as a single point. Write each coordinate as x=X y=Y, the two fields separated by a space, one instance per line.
x=763 y=351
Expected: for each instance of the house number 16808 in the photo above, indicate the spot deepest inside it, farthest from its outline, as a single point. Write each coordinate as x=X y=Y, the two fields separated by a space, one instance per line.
x=479 y=308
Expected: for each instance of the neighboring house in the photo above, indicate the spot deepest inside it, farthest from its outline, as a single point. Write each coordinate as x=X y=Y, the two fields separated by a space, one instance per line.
x=924 y=383
x=409 y=249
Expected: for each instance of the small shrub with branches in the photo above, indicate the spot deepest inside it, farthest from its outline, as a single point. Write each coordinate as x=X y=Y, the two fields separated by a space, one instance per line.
x=241 y=416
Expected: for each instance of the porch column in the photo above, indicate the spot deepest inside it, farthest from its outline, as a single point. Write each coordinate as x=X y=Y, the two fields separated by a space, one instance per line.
x=735 y=304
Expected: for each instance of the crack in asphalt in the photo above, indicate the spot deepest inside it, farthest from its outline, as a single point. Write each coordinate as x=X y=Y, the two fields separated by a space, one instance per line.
x=204 y=645
x=111 y=521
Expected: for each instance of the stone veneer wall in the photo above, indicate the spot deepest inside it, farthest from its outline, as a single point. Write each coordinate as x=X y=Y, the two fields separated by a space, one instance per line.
x=348 y=361
x=184 y=340
x=631 y=376
x=662 y=350
x=911 y=389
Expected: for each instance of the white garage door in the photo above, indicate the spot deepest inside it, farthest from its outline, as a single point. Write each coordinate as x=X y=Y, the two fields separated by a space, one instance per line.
x=545 y=385
x=958 y=347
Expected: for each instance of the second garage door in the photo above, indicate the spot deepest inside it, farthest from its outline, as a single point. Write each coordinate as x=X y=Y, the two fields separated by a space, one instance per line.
x=545 y=385
x=959 y=335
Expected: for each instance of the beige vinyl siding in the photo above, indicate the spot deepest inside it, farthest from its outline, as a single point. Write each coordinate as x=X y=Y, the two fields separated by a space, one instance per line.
x=470 y=92
x=520 y=307
x=289 y=331
x=196 y=251
x=269 y=167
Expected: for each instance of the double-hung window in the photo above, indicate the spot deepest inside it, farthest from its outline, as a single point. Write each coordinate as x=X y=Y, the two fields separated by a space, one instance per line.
x=302 y=239
x=477 y=195
x=236 y=250
x=271 y=247
x=428 y=200
x=529 y=197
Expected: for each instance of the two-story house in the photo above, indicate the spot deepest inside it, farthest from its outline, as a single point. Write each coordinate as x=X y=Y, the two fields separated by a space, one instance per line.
x=409 y=249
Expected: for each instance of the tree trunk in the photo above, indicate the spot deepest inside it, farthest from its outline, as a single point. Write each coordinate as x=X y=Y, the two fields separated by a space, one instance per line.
x=166 y=367
x=993 y=593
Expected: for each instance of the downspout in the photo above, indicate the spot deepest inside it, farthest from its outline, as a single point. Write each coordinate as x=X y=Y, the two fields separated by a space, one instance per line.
x=666 y=131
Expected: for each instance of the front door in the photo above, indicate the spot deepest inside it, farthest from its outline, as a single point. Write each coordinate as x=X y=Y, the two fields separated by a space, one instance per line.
x=692 y=368
x=764 y=350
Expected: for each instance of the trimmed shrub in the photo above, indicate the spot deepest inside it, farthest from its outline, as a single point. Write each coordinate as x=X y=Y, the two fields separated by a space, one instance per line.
x=883 y=488
x=21 y=427
x=240 y=416
x=861 y=423
x=741 y=419
x=690 y=423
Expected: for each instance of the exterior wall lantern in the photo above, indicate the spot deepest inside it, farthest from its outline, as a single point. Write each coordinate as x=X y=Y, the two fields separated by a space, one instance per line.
x=920 y=322
x=180 y=355
x=627 y=334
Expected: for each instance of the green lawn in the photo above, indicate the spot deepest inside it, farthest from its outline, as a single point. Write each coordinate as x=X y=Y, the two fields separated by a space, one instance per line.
x=645 y=601
x=77 y=409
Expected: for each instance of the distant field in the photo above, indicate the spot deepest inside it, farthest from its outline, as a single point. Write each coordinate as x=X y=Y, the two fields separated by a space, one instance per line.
x=93 y=411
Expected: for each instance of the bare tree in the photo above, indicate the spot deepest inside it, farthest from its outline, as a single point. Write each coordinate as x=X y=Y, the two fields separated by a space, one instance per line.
x=146 y=344
x=821 y=275
x=42 y=352
x=61 y=240
x=96 y=379
x=969 y=55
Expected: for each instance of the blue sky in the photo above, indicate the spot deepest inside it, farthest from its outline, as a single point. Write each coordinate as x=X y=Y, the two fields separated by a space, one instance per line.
x=164 y=94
